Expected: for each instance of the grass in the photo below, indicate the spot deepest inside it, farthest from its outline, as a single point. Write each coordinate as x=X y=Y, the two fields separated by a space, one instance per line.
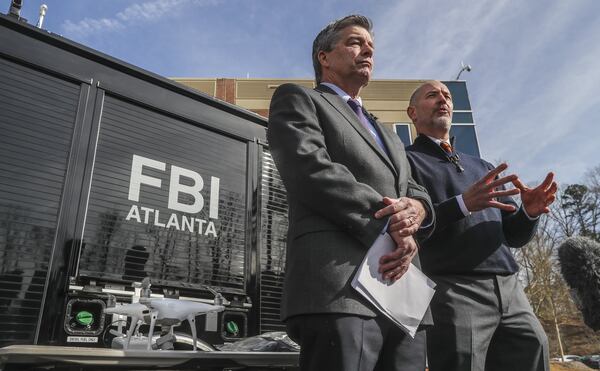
x=568 y=366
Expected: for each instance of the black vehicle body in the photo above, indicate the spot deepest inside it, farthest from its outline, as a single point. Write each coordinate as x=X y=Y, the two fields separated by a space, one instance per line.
x=592 y=361
x=109 y=174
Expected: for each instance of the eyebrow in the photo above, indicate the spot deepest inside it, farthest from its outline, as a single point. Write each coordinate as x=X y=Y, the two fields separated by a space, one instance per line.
x=356 y=37
x=436 y=91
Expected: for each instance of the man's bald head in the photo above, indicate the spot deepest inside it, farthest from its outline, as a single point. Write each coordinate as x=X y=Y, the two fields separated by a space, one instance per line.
x=430 y=109
x=419 y=90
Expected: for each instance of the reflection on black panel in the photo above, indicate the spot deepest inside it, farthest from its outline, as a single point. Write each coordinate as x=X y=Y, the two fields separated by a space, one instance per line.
x=274 y=228
x=167 y=201
x=37 y=115
x=465 y=139
x=403 y=131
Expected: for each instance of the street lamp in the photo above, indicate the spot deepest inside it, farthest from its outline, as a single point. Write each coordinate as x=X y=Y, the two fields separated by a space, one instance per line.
x=43 y=10
x=464 y=67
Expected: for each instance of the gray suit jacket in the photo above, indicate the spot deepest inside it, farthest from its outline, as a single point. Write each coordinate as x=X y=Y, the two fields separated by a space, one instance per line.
x=336 y=176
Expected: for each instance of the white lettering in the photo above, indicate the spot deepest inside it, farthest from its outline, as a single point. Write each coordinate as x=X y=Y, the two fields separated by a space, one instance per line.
x=147 y=211
x=175 y=188
x=134 y=213
x=184 y=224
x=187 y=223
x=156 y=222
x=173 y=222
x=82 y=339
x=200 y=222
x=137 y=178
x=193 y=201
x=213 y=212
x=210 y=228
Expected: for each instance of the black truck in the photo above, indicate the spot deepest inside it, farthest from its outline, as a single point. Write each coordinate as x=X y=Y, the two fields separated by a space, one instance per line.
x=111 y=175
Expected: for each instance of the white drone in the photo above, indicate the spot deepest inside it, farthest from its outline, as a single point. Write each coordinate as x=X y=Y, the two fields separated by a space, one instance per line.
x=164 y=312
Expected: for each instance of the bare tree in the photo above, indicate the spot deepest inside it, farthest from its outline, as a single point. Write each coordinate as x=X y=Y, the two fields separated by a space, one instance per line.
x=578 y=211
x=575 y=212
x=544 y=286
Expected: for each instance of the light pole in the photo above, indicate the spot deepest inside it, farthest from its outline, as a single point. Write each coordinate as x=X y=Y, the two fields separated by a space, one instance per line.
x=43 y=10
x=464 y=67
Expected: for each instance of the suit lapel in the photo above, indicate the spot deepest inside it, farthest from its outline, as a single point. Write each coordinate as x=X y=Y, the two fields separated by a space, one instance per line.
x=390 y=144
x=342 y=107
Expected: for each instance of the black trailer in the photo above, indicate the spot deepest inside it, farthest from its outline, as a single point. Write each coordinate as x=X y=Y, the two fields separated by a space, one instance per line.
x=110 y=174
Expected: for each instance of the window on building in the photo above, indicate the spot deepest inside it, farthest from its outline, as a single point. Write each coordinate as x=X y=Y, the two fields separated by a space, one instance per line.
x=462 y=117
x=460 y=97
x=465 y=139
x=402 y=129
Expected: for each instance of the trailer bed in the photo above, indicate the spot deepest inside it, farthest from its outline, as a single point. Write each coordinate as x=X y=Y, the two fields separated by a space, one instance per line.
x=42 y=355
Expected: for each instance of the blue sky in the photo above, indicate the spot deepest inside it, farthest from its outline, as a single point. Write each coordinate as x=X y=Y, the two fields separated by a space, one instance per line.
x=534 y=87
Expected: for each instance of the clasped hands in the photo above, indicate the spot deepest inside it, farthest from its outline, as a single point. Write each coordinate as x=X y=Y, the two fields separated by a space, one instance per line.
x=485 y=193
x=406 y=215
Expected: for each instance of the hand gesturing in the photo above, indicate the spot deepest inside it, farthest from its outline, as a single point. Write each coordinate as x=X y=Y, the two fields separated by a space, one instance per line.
x=536 y=200
x=483 y=194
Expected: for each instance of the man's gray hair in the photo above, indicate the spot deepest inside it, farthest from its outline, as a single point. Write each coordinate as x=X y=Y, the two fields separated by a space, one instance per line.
x=330 y=35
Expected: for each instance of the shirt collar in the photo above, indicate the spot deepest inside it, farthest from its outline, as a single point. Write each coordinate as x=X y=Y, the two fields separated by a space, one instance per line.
x=436 y=140
x=345 y=96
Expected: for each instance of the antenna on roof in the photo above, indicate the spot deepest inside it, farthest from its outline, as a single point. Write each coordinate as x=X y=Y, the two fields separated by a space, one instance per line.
x=43 y=10
x=15 y=8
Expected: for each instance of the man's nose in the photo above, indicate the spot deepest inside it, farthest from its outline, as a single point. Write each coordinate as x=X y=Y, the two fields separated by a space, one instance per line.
x=368 y=49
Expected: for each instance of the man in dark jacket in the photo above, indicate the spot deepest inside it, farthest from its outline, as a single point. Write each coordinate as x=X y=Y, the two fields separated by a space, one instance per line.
x=482 y=318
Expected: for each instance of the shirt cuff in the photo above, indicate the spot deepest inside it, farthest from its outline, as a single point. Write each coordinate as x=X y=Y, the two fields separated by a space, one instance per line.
x=429 y=219
x=461 y=204
x=527 y=215
x=384 y=230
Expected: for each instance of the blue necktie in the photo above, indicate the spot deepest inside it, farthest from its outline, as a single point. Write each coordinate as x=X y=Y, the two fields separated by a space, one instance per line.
x=356 y=107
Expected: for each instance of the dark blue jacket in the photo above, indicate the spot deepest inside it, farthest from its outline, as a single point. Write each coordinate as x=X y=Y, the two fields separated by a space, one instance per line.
x=467 y=245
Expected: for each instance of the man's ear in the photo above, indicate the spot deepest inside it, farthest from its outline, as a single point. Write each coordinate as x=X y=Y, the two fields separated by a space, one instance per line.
x=322 y=57
x=411 y=113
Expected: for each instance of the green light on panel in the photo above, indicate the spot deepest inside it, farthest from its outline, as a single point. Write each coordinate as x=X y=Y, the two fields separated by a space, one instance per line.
x=84 y=318
x=232 y=328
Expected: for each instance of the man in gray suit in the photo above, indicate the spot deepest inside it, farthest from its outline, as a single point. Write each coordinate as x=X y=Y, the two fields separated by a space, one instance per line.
x=347 y=181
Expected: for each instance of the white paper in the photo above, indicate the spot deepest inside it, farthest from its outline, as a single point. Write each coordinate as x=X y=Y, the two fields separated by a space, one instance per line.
x=404 y=301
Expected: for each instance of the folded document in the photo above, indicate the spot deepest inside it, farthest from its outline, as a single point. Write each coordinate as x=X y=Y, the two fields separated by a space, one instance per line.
x=404 y=301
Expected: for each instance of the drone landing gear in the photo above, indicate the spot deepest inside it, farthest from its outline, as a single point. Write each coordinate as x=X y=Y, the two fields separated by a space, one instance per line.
x=166 y=342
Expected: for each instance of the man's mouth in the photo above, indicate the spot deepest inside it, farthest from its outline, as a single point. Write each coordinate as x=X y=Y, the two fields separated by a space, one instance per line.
x=365 y=64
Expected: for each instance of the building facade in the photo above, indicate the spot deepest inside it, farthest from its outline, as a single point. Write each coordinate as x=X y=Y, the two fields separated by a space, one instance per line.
x=386 y=99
